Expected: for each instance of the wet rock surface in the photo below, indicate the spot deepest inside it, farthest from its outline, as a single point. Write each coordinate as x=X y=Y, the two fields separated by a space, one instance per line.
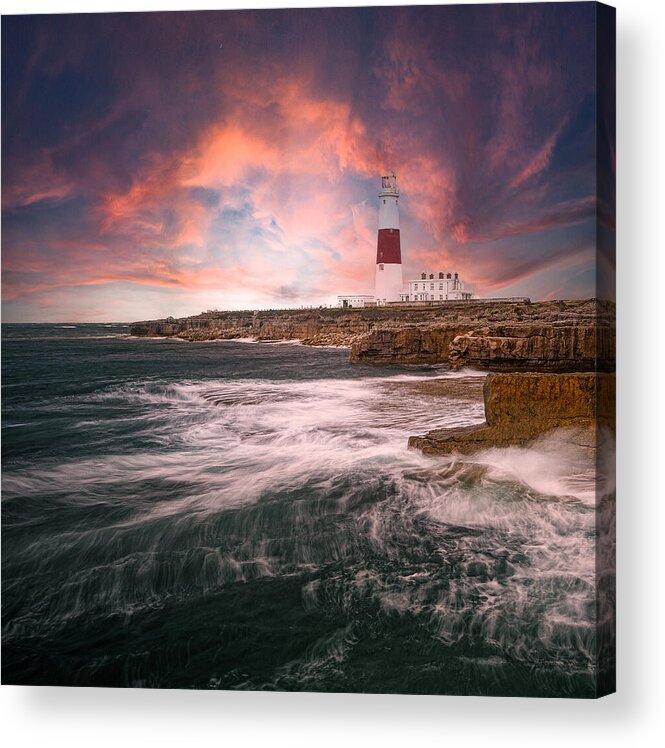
x=521 y=407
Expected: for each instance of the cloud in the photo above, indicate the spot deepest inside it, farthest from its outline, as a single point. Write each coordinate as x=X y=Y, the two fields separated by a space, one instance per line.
x=539 y=161
x=143 y=153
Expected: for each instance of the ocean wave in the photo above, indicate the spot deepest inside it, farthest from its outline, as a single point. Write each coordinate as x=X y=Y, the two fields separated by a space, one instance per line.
x=198 y=488
x=157 y=337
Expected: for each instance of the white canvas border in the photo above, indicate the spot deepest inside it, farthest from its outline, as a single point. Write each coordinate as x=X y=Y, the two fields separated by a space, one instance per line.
x=104 y=717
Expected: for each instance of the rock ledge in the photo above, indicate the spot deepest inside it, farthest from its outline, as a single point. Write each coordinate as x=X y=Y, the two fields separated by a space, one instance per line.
x=522 y=407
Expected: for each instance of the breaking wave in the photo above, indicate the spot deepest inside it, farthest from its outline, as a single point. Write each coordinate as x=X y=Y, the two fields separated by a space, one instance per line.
x=282 y=530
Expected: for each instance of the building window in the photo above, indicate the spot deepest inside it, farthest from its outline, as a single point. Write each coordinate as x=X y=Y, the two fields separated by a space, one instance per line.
x=440 y=286
x=432 y=297
x=440 y=297
x=431 y=285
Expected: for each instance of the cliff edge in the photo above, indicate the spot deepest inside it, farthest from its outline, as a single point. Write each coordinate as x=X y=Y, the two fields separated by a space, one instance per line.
x=522 y=407
x=543 y=336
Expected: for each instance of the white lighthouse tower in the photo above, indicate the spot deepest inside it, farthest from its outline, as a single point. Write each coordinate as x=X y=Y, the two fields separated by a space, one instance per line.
x=389 y=282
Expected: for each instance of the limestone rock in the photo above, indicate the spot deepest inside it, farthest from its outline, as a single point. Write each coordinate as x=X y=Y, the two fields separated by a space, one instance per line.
x=406 y=345
x=528 y=347
x=521 y=407
x=544 y=336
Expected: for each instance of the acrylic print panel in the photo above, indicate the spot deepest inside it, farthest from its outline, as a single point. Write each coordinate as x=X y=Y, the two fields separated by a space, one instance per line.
x=308 y=350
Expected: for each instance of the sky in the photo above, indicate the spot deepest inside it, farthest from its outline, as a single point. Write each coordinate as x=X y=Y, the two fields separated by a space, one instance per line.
x=159 y=164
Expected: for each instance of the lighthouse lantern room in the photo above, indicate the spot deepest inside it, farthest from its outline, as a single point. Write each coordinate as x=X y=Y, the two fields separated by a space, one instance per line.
x=389 y=281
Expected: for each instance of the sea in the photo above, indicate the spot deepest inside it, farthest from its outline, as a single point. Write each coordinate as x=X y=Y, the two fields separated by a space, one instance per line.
x=241 y=515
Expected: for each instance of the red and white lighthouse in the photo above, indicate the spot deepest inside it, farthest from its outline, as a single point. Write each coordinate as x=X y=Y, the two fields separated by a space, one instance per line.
x=389 y=282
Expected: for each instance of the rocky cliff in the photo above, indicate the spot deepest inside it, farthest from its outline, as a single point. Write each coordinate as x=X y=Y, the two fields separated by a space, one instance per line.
x=535 y=347
x=314 y=327
x=311 y=326
x=544 y=336
x=407 y=345
x=521 y=407
x=548 y=336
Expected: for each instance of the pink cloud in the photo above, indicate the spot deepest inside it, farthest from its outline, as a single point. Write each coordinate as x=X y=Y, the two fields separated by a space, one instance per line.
x=540 y=161
x=39 y=180
x=242 y=165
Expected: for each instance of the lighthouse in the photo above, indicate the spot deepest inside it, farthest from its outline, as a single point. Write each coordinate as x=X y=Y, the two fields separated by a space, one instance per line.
x=389 y=283
x=430 y=289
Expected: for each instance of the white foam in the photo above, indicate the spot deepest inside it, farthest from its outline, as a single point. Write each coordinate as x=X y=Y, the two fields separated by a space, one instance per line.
x=329 y=447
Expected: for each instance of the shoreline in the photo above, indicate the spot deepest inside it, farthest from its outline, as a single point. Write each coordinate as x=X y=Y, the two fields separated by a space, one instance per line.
x=520 y=408
x=551 y=336
x=548 y=350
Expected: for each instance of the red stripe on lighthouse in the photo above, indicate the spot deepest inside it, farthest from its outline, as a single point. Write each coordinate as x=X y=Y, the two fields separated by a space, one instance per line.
x=388 y=247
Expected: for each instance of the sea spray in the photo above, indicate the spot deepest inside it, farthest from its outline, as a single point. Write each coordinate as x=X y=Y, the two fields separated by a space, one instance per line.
x=250 y=517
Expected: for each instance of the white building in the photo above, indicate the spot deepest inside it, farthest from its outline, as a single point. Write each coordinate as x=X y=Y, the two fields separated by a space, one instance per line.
x=355 y=300
x=436 y=287
x=389 y=283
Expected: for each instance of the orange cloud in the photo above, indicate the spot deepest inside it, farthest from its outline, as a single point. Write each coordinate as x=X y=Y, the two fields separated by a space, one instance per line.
x=255 y=165
x=295 y=164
